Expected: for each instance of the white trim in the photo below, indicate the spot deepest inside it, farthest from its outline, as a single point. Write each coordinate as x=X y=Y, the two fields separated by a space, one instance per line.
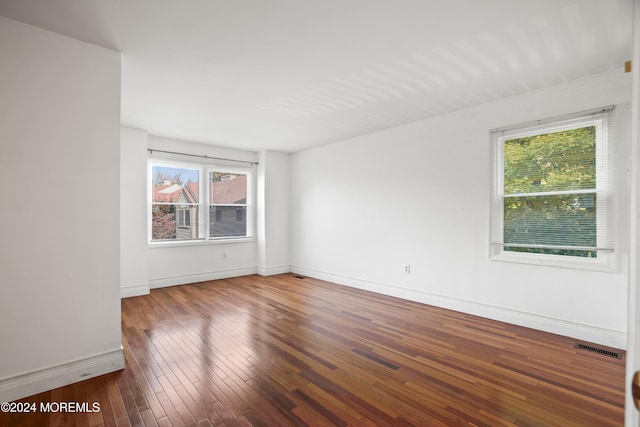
x=555 y=120
x=578 y=263
x=272 y=271
x=134 y=290
x=632 y=416
x=186 y=279
x=200 y=242
x=590 y=333
x=30 y=383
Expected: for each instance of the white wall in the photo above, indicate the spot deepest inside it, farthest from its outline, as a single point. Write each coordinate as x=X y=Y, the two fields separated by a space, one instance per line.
x=134 y=257
x=632 y=415
x=273 y=213
x=59 y=222
x=419 y=194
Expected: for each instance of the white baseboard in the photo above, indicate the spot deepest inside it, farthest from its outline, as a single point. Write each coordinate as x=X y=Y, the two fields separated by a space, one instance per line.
x=162 y=282
x=589 y=333
x=134 y=290
x=272 y=271
x=35 y=382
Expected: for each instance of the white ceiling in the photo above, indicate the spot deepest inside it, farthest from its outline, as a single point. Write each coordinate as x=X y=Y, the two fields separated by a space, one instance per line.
x=292 y=74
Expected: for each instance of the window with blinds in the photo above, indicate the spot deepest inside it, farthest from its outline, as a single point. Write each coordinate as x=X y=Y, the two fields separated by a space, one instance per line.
x=553 y=188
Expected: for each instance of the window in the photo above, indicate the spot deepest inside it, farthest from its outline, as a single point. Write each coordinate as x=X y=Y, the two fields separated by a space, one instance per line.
x=179 y=202
x=553 y=191
x=184 y=217
x=227 y=195
x=175 y=197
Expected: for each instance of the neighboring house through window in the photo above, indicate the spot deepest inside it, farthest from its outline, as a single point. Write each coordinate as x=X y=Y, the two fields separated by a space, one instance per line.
x=178 y=202
x=174 y=203
x=227 y=195
x=184 y=217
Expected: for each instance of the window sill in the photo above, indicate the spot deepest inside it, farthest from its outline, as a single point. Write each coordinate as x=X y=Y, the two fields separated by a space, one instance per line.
x=605 y=263
x=200 y=242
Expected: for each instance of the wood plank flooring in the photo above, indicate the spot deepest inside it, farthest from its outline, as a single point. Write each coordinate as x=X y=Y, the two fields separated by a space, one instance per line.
x=285 y=351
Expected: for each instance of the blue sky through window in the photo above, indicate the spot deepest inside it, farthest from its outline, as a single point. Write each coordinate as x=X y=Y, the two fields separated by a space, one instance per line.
x=186 y=175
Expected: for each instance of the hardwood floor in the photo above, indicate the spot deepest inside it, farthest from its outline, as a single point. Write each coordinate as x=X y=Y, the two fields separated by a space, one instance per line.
x=285 y=351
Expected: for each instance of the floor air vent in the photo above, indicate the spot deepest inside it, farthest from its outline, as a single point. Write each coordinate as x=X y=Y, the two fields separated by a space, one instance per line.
x=598 y=350
x=297 y=276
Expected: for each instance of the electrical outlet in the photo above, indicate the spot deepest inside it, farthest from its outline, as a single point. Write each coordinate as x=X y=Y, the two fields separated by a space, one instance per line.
x=407 y=269
x=224 y=255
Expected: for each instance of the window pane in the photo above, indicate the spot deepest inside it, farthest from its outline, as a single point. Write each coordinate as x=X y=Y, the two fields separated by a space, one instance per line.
x=227 y=188
x=175 y=185
x=226 y=222
x=174 y=222
x=175 y=197
x=184 y=219
x=556 y=220
x=551 y=162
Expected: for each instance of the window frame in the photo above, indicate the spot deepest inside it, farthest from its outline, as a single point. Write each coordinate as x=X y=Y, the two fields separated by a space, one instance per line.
x=202 y=205
x=177 y=205
x=604 y=191
x=182 y=216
